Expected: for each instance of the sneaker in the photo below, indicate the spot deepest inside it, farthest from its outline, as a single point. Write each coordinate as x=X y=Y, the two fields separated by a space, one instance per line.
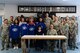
x=14 y=48
x=6 y=48
x=76 y=47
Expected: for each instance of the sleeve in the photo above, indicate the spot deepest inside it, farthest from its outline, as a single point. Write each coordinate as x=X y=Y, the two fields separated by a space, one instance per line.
x=10 y=33
x=44 y=26
x=1 y=27
x=56 y=32
x=20 y=30
x=48 y=32
x=51 y=21
x=74 y=29
x=35 y=30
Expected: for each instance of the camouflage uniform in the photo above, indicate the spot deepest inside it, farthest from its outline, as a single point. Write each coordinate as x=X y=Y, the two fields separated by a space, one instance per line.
x=72 y=35
x=10 y=22
x=56 y=26
x=76 y=27
x=47 y=21
x=5 y=36
x=51 y=43
x=64 y=31
x=67 y=32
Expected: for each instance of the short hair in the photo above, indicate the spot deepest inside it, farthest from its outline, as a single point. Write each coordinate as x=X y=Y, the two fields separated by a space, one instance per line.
x=5 y=19
x=15 y=20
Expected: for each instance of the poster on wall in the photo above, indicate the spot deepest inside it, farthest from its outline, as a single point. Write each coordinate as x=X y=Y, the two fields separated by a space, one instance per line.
x=55 y=9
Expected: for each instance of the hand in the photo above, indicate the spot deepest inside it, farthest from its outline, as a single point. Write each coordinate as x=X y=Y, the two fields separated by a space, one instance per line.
x=10 y=39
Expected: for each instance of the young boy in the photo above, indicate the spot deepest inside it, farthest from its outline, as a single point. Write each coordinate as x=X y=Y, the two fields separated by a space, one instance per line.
x=5 y=34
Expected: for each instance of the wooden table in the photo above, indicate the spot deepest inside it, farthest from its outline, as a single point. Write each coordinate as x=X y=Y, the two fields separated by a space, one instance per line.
x=41 y=37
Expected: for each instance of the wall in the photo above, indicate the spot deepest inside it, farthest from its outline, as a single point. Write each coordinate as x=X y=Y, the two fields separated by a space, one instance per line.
x=2 y=9
x=11 y=10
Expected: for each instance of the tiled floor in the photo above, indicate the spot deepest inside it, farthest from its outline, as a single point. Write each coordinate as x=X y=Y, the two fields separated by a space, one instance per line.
x=33 y=51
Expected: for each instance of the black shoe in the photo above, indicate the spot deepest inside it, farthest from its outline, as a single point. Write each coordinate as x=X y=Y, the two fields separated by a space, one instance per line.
x=76 y=47
x=2 y=49
x=6 y=48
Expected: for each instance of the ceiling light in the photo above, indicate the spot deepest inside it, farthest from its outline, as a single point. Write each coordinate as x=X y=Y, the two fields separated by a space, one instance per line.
x=65 y=0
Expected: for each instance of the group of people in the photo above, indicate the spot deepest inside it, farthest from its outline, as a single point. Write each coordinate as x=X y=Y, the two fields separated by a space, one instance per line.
x=14 y=28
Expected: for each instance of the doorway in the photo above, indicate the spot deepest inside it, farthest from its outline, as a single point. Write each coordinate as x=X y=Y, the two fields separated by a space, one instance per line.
x=0 y=24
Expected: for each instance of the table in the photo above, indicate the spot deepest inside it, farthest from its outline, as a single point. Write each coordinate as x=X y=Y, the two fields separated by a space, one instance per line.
x=40 y=37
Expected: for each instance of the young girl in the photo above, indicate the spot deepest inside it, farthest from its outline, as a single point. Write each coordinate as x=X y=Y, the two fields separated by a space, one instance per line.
x=27 y=19
x=39 y=43
x=31 y=26
x=31 y=29
x=41 y=23
x=5 y=34
x=19 y=18
x=22 y=21
x=14 y=34
x=23 y=28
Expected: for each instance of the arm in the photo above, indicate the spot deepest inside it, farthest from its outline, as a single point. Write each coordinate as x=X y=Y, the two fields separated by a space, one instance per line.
x=48 y=32
x=1 y=27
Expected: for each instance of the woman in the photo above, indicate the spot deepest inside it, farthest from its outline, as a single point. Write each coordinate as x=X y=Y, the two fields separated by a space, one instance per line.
x=72 y=35
x=4 y=34
x=15 y=34
x=56 y=24
x=47 y=20
x=51 y=43
x=53 y=18
x=63 y=30
x=11 y=20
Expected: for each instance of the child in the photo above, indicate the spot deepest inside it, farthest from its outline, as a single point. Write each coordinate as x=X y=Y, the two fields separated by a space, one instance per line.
x=23 y=28
x=14 y=34
x=31 y=26
x=27 y=20
x=31 y=29
x=22 y=21
x=41 y=23
x=39 y=43
x=5 y=34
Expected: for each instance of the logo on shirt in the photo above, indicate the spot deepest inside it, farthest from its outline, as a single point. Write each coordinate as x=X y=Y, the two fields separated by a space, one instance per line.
x=41 y=26
x=14 y=29
x=24 y=27
x=31 y=29
x=48 y=21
